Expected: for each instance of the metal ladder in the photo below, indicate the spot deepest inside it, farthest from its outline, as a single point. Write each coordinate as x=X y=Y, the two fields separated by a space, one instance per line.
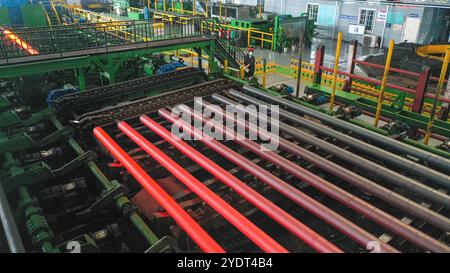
x=52 y=13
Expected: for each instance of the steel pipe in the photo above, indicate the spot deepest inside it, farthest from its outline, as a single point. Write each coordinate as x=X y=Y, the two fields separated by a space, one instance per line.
x=192 y=228
x=400 y=147
x=282 y=217
x=398 y=161
x=261 y=239
x=361 y=182
x=345 y=226
x=382 y=218
x=10 y=229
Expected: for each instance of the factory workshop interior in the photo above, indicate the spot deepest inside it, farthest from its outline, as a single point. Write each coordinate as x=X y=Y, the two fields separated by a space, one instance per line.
x=224 y=126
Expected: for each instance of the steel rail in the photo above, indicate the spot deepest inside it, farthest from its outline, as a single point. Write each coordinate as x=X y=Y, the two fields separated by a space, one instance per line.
x=382 y=218
x=126 y=110
x=192 y=228
x=286 y=220
x=80 y=99
x=249 y=229
x=342 y=224
x=395 y=160
x=400 y=147
x=361 y=182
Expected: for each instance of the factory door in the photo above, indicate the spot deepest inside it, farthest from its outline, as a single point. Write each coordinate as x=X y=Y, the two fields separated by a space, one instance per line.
x=411 y=29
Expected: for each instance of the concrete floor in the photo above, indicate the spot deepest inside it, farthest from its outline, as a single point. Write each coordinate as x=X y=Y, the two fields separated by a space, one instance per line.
x=309 y=55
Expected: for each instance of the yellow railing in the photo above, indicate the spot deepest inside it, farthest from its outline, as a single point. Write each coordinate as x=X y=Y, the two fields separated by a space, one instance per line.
x=186 y=12
x=265 y=36
x=136 y=10
x=262 y=37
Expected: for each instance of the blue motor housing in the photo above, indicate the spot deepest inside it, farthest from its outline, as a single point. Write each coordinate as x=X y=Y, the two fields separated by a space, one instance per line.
x=169 y=67
x=55 y=94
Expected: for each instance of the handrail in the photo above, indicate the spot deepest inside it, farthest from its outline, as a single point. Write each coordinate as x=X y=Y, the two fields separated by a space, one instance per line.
x=107 y=34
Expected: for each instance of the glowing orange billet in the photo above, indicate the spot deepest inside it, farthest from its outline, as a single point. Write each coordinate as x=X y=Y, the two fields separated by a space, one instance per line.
x=13 y=37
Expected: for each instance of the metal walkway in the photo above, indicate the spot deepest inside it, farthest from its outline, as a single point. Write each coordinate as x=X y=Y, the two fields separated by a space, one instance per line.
x=103 y=50
x=71 y=41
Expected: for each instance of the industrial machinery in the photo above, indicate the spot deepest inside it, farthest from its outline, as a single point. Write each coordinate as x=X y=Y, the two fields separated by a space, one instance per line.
x=90 y=185
x=150 y=162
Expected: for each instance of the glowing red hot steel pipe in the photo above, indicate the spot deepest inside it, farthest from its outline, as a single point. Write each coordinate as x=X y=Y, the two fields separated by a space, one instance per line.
x=395 y=225
x=282 y=217
x=348 y=228
x=24 y=45
x=261 y=239
x=192 y=228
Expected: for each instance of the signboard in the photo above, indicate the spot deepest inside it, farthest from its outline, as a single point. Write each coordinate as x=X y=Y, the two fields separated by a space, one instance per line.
x=414 y=15
x=356 y=29
x=381 y=16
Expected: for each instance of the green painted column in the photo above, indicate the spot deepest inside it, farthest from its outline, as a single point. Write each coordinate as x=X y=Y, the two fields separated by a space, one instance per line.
x=79 y=73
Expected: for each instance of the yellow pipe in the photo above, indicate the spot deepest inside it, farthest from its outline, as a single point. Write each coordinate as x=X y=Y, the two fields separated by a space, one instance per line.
x=430 y=51
x=225 y=66
x=182 y=6
x=173 y=8
x=335 y=71
x=438 y=94
x=383 y=82
x=260 y=9
x=156 y=4
x=264 y=76
x=207 y=8
x=164 y=3
x=193 y=7
x=242 y=72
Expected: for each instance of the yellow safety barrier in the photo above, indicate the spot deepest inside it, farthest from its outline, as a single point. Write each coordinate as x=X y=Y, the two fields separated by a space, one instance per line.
x=259 y=69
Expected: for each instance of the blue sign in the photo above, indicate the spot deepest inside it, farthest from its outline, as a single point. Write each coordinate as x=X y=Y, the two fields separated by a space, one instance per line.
x=349 y=17
x=414 y=15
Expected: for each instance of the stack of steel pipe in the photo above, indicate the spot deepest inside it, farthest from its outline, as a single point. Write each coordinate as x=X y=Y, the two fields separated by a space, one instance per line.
x=397 y=179
x=419 y=238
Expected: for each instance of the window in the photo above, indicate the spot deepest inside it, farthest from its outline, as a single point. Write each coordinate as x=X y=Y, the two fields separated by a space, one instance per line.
x=367 y=17
x=313 y=12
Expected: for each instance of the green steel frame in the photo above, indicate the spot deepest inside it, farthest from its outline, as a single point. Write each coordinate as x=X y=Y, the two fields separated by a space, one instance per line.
x=104 y=56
